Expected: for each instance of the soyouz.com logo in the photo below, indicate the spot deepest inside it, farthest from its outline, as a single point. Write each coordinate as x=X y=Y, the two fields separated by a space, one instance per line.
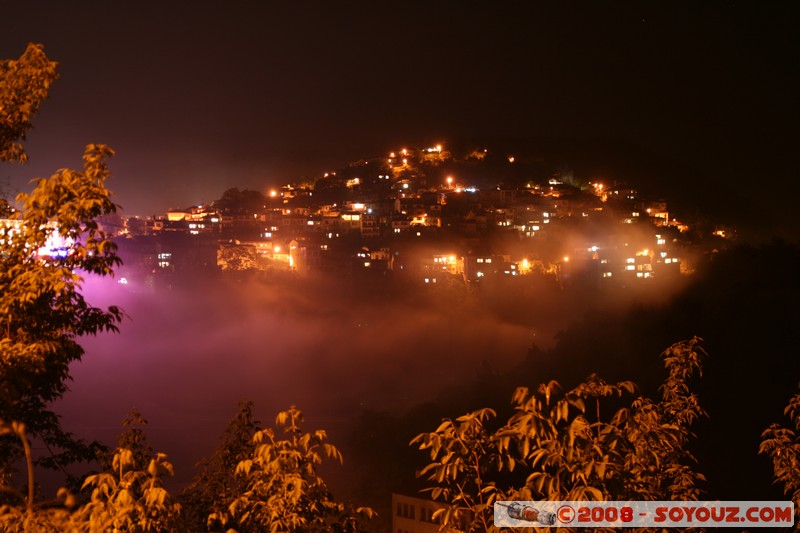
x=644 y=514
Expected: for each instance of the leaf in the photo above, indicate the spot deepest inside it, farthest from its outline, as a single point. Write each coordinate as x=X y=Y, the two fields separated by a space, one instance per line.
x=563 y=410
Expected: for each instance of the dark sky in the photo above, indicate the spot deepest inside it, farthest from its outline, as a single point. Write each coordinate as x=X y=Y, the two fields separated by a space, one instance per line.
x=199 y=97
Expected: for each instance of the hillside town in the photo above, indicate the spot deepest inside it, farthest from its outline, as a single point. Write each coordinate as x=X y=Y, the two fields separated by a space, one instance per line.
x=409 y=215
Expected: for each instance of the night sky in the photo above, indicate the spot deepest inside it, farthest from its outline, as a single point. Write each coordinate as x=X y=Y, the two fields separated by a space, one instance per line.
x=199 y=97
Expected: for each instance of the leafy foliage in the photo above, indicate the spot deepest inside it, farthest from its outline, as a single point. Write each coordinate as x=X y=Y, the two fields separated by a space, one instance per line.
x=42 y=310
x=782 y=445
x=5 y=208
x=133 y=438
x=217 y=485
x=283 y=490
x=464 y=455
x=50 y=516
x=237 y=257
x=23 y=86
x=128 y=498
x=254 y=483
x=567 y=446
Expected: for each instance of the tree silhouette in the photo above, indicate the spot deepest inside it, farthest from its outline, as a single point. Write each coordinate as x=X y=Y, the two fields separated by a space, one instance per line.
x=53 y=242
x=588 y=443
